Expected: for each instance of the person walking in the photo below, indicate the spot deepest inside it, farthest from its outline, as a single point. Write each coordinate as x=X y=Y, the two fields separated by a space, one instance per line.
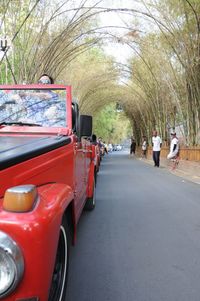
x=156 y=143
x=144 y=147
x=132 y=147
x=174 y=147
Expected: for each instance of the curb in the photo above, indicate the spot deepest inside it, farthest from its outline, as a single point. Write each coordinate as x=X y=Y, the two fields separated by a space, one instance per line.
x=185 y=170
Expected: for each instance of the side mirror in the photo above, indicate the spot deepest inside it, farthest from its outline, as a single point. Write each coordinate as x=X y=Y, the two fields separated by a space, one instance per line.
x=75 y=117
x=85 y=125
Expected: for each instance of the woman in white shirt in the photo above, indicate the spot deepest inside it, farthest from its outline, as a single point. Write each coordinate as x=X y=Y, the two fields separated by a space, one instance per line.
x=174 y=147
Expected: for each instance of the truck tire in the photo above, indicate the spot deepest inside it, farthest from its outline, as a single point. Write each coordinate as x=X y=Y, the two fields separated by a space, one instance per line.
x=59 y=279
x=95 y=177
x=91 y=202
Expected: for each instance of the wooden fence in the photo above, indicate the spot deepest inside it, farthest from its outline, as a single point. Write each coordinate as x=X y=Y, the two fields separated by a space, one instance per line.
x=186 y=153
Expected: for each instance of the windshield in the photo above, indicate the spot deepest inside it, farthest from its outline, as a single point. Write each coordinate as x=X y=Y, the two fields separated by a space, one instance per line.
x=40 y=107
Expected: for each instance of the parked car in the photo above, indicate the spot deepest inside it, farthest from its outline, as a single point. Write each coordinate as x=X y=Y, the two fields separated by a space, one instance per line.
x=114 y=147
x=110 y=147
x=47 y=174
x=119 y=147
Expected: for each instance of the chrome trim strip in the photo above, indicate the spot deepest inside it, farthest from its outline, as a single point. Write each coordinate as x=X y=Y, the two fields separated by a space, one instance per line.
x=22 y=189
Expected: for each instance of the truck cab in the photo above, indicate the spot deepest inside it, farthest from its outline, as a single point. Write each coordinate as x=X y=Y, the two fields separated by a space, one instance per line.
x=47 y=176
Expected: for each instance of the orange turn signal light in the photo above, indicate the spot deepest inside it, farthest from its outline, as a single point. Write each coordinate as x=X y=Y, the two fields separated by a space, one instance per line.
x=20 y=198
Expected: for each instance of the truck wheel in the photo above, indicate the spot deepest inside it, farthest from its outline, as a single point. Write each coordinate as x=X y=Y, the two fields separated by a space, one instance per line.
x=90 y=203
x=95 y=177
x=59 y=279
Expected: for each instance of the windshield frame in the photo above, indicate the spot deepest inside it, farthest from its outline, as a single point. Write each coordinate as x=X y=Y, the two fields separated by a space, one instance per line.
x=40 y=129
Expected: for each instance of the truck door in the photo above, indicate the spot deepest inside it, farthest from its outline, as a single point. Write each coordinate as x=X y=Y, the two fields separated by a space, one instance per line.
x=82 y=162
x=80 y=182
x=88 y=151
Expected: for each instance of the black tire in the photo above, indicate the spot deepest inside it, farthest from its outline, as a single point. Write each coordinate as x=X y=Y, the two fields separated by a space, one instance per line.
x=59 y=279
x=95 y=177
x=91 y=202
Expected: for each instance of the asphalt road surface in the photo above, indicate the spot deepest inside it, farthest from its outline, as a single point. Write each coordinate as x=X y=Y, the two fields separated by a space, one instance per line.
x=142 y=241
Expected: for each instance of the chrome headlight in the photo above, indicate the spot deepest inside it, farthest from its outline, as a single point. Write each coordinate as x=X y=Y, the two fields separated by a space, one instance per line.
x=11 y=264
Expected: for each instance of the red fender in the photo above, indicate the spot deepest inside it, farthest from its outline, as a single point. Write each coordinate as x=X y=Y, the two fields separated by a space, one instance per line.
x=37 y=234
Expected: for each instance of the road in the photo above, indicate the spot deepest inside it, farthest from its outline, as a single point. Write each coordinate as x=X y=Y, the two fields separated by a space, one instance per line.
x=142 y=241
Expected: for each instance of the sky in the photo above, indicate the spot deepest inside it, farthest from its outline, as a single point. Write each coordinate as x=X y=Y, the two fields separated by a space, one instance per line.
x=121 y=51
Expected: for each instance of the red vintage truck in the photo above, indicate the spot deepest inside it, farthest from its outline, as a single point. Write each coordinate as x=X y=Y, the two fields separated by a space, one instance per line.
x=47 y=177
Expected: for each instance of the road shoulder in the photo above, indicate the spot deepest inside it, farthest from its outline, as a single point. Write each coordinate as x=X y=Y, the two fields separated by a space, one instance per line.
x=188 y=170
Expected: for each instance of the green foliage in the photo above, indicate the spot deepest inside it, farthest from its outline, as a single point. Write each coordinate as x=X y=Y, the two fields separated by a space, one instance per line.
x=111 y=125
x=163 y=73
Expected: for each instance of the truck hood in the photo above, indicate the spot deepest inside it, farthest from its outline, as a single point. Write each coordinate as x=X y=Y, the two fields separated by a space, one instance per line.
x=16 y=149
